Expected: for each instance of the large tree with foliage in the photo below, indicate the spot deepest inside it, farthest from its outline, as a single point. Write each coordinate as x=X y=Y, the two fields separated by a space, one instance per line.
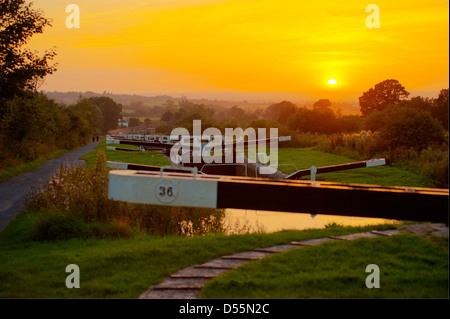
x=20 y=68
x=407 y=127
x=111 y=111
x=281 y=112
x=388 y=92
x=322 y=104
x=440 y=109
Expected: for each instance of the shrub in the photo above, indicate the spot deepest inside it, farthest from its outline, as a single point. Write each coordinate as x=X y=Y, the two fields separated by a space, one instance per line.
x=55 y=226
x=75 y=204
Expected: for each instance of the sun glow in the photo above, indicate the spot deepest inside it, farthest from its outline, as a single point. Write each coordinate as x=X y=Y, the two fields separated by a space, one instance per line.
x=332 y=82
x=137 y=46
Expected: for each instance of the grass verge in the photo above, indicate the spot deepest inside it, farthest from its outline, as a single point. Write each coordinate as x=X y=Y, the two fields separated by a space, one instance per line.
x=117 y=268
x=304 y=158
x=410 y=267
x=144 y=158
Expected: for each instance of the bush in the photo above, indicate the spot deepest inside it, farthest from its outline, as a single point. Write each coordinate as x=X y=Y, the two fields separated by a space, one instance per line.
x=75 y=204
x=55 y=226
x=360 y=146
x=431 y=162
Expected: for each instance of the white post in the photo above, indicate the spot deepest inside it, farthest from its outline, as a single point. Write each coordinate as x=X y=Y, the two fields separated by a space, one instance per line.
x=313 y=173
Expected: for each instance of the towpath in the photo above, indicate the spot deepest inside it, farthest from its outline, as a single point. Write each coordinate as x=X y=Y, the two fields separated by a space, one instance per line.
x=13 y=191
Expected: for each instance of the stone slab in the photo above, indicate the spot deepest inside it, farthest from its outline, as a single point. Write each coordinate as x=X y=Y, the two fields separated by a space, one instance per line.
x=355 y=236
x=248 y=255
x=277 y=248
x=422 y=229
x=193 y=272
x=170 y=294
x=182 y=283
x=312 y=242
x=389 y=232
x=441 y=232
x=221 y=263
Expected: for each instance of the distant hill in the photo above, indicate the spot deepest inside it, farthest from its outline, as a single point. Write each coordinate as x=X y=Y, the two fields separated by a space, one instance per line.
x=156 y=100
x=249 y=101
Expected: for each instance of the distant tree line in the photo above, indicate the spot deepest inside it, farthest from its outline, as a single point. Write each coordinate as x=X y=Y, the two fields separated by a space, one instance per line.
x=401 y=122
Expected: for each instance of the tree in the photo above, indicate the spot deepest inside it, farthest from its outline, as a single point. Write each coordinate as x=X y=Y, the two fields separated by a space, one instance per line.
x=20 y=68
x=440 y=108
x=388 y=92
x=133 y=122
x=349 y=123
x=111 y=111
x=313 y=121
x=236 y=112
x=86 y=120
x=322 y=104
x=408 y=127
x=281 y=112
x=167 y=116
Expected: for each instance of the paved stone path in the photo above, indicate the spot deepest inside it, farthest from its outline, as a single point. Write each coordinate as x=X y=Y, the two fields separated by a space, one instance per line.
x=13 y=191
x=187 y=283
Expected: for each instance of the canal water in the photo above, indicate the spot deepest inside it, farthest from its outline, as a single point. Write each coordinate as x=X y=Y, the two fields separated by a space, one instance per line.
x=241 y=220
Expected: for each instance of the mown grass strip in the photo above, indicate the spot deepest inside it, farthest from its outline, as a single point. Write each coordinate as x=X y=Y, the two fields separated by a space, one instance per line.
x=410 y=267
x=144 y=158
x=304 y=158
x=118 y=268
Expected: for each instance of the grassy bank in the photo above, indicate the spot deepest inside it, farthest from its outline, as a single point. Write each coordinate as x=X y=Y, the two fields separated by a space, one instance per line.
x=117 y=268
x=145 y=158
x=304 y=158
x=410 y=267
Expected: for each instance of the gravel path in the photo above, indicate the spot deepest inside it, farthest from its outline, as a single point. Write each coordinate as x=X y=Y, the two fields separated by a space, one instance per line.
x=13 y=191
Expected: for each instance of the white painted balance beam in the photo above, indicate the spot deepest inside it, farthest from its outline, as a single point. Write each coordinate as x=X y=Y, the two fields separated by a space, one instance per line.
x=214 y=191
x=175 y=189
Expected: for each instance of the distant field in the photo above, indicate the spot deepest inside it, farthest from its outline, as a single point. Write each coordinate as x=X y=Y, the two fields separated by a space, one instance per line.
x=144 y=158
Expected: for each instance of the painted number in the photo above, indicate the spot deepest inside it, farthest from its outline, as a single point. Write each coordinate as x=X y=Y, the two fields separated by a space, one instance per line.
x=166 y=192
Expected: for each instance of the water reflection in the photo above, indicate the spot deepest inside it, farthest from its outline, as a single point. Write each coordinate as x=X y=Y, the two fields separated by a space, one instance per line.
x=240 y=220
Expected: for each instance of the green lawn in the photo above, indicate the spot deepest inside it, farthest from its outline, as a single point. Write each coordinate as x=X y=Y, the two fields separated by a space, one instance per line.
x=410 y=267
x=304 y=158
x=118 y=268
x=144 y=158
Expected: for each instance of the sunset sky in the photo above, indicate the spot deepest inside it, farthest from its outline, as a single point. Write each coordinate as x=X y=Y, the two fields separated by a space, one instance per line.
x=168 y=46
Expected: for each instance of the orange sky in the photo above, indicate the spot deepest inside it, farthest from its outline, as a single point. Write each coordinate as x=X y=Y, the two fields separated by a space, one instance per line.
x=165 y=46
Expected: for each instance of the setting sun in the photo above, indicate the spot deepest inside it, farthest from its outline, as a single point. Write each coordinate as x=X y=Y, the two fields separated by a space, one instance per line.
x=332 y=81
